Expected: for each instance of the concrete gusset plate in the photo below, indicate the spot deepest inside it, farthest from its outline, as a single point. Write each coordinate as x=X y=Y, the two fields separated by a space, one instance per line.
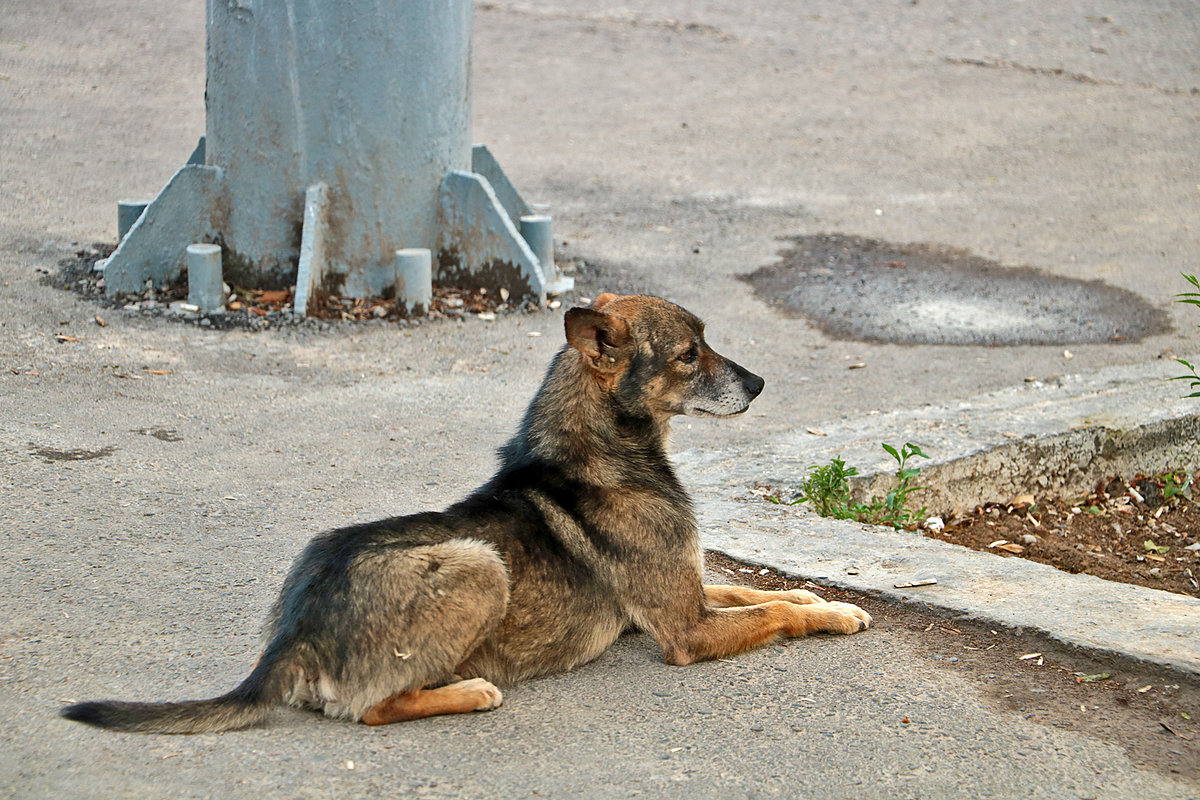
x=484 y=164
x=311 y=269
x=479 y=244
x=155 y=248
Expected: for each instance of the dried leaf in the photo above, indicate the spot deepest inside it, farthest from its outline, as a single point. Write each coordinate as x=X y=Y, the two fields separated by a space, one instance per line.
x=1028 y=656
x=1012 y=548
x=276 y=297
x=997 y=543
x=1022 y=500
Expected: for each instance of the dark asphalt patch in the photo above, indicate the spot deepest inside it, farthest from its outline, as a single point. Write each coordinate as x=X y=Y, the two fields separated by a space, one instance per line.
x=874 y=291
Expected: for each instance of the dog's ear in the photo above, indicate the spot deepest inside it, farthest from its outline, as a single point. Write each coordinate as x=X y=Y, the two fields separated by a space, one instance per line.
x=599 y=336
x=603 y=300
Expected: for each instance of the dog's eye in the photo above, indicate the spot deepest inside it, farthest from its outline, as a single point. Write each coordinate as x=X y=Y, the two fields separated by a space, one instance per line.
x=689 y=356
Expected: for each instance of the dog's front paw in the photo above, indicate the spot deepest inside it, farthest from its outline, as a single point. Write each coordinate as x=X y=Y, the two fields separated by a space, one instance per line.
x=801 y=597
x=837 y=617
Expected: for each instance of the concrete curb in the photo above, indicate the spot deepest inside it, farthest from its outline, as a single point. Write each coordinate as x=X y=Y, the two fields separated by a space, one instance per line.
x=1116 y=418
x=1145 y=625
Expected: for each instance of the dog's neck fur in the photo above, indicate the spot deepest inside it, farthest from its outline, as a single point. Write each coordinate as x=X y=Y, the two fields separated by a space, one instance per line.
x=577 y=424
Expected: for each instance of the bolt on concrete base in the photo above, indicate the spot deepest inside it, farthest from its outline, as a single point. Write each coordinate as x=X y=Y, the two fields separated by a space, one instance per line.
x=537 y=230
x=204 y=278
x=128 y=212
x=414 y=279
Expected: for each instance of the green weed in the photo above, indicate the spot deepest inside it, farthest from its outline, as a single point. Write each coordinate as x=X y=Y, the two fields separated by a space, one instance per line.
x=1175 y=483
x=1192 y=298
x=827 y=490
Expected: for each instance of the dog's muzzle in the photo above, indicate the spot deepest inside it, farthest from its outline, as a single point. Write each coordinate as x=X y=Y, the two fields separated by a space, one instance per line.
x=727 y=393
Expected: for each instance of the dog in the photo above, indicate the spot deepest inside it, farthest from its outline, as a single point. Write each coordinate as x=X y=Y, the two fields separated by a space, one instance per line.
x=583 y=533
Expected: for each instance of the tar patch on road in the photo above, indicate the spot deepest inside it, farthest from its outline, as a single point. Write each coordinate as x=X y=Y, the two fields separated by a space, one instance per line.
x=162 y=434
x=874 y=291
x=51 y=455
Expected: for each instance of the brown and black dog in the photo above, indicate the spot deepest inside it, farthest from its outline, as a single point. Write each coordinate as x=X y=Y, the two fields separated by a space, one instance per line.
x=584 y=532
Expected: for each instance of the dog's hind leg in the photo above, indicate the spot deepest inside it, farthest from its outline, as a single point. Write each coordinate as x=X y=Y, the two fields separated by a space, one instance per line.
x=475 y=694
x=408 y=618
x=722 y=596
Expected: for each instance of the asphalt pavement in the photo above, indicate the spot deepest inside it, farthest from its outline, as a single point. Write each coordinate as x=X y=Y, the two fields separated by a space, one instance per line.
x=158 y=477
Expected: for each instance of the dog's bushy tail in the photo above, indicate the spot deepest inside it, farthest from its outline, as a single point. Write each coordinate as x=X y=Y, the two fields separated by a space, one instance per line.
x=247 y=705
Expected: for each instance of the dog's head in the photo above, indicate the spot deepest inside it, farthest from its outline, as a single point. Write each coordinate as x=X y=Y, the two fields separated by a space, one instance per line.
x=651 y=356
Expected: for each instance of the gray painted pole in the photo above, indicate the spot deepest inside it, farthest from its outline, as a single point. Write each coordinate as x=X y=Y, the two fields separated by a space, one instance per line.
x=370 y=97
x=337 y=134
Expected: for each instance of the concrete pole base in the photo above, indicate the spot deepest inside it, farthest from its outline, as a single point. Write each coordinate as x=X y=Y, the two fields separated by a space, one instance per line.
x=478 y=241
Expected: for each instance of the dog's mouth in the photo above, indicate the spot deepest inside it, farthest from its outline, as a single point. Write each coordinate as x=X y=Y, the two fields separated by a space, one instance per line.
x=704 y=413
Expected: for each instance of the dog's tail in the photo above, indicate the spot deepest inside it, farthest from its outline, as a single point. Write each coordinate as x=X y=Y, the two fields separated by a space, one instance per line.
x=249 y=704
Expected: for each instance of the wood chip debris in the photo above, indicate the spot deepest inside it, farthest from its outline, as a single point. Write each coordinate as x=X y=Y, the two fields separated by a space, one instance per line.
x=1169 y=729
x=915 y=584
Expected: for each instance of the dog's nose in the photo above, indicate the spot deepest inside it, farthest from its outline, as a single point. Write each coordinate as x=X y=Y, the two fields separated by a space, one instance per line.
x=753 y=384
